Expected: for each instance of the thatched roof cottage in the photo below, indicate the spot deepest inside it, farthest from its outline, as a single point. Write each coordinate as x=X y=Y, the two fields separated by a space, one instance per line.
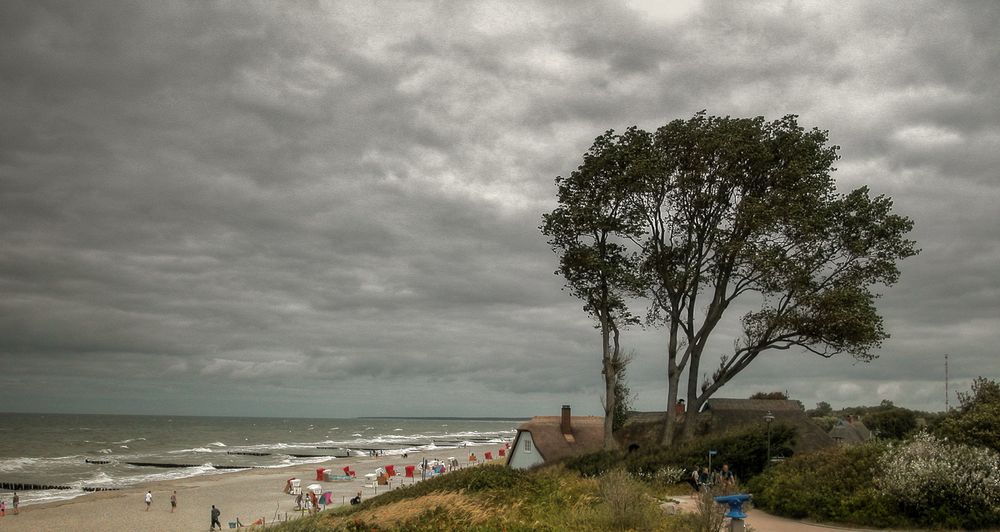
x=552 y=438
x=849 y=431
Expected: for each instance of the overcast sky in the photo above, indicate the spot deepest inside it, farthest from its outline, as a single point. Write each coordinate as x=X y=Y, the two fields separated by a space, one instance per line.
x=332 y=209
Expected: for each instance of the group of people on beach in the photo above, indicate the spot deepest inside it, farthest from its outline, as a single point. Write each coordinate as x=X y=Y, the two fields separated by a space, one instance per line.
x=148 y=499
x=16 y=503
x=703 y=479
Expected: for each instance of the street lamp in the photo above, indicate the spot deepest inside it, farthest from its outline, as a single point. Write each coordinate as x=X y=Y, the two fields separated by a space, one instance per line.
x=768 y=418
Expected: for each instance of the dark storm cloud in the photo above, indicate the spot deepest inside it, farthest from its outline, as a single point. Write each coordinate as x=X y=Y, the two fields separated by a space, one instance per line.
x=292 y=201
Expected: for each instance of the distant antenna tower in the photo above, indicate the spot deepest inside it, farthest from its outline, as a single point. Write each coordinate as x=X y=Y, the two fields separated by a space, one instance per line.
x=946 y=407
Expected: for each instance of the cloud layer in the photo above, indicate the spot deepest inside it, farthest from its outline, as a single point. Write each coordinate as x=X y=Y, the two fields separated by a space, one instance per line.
x=258 y=208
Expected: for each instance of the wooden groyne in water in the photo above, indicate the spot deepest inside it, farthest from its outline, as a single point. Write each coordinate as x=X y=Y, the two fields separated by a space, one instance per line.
x=248 y=453
x=18 y=486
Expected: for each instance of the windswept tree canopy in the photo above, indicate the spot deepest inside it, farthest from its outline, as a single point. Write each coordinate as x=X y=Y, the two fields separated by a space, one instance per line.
x=710 y=209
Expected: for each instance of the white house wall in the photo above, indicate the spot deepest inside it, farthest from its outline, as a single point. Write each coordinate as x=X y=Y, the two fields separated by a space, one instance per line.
x=521 y=458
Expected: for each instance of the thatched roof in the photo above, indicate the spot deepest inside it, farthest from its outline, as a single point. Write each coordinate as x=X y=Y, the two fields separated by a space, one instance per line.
x=850 y=431
x=754 y=405
x=552 y=445
x=719 y=416
x=722 y=415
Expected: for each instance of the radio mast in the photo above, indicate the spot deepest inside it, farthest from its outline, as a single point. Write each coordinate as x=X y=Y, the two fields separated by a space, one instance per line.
x=946 y=408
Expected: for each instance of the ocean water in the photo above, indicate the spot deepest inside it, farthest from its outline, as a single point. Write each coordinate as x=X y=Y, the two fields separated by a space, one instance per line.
x=94 y=451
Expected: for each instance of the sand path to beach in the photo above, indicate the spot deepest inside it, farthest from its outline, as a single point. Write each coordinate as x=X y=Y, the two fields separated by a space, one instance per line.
x=248 y=495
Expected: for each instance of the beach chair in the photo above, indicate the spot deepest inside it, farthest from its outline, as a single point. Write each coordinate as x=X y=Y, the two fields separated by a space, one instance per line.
x=348 y=472
x=502 y=452
x=488 y=455
x=390 y=470
x=409 y=472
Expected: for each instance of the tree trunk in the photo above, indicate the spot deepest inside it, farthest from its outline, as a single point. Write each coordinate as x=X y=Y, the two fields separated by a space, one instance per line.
x=673 y=383
x=610 y=379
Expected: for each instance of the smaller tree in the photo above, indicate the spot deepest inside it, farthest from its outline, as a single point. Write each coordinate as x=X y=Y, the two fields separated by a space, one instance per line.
x=770 y=395
x=822 y=409
x=586 y=230
x=893 y=422
x=623 y=395
x=977 y=420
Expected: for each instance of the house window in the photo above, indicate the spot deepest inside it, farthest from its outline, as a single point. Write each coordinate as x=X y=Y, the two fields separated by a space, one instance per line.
x=527 y=445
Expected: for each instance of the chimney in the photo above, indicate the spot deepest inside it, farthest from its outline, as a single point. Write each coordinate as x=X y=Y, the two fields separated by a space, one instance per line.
x=565 y=425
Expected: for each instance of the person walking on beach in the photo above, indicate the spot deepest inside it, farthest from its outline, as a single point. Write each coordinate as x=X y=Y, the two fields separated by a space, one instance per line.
x=173 y=501
x=17 y=502
x=149 y=499
x=215 y=518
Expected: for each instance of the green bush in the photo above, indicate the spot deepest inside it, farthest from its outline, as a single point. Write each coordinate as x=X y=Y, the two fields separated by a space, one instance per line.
x=629 y=508
x=744 y=450
x=836 y=485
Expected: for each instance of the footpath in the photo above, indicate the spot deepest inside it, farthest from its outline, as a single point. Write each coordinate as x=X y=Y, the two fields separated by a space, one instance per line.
x=764 y=522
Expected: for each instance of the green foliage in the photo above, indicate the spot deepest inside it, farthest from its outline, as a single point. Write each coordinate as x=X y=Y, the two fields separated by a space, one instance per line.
x=628 y=506
x=744 y=450
x=891 y=422
x=595 y=464
x=770 y=395
x=826 y=422
x=823 y=409
x=836 y=485
x=977 y=420
x=623 y=397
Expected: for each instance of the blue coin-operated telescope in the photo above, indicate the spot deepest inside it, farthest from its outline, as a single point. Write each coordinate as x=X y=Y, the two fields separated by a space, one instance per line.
x=735 y=512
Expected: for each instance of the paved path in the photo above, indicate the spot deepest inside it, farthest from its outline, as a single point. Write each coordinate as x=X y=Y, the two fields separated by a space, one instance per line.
x=763 y=522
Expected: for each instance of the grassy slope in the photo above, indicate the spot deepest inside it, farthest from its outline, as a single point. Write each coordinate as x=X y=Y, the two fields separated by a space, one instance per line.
x=485 y=498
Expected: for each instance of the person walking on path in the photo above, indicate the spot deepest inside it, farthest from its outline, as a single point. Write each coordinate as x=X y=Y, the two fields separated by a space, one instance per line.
x=149 y=499
x=215 y=518
x=173 y=501
x=693 y=478
x=17 y=502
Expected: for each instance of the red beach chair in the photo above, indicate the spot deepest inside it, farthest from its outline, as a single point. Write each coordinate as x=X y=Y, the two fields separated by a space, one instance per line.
x=348 y=472
x=488 y=455
x=409 y=471
x=502 y=452
x=390 y=470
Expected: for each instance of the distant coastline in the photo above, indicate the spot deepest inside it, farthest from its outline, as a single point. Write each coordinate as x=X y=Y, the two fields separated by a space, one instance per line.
x=449 y=418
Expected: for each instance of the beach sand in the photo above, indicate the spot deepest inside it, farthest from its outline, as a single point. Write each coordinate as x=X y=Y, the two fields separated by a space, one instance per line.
x=248 y=495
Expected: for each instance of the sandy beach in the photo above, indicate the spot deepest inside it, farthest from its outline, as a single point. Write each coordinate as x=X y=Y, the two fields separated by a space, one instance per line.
x=247 y=495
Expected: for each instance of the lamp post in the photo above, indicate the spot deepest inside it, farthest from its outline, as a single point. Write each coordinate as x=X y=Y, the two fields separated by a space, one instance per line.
x=768 y=418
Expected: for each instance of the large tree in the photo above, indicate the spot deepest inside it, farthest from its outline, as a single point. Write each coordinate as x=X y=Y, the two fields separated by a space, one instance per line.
x=595 y=212
x=745 y=209
x=719 y=210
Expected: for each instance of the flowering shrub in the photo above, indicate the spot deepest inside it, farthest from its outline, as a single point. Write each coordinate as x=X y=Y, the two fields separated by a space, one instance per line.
x=666 y=475
x=939 y=482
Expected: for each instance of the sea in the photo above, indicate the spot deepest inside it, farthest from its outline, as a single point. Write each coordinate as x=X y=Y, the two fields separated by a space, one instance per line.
x=70 y=455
